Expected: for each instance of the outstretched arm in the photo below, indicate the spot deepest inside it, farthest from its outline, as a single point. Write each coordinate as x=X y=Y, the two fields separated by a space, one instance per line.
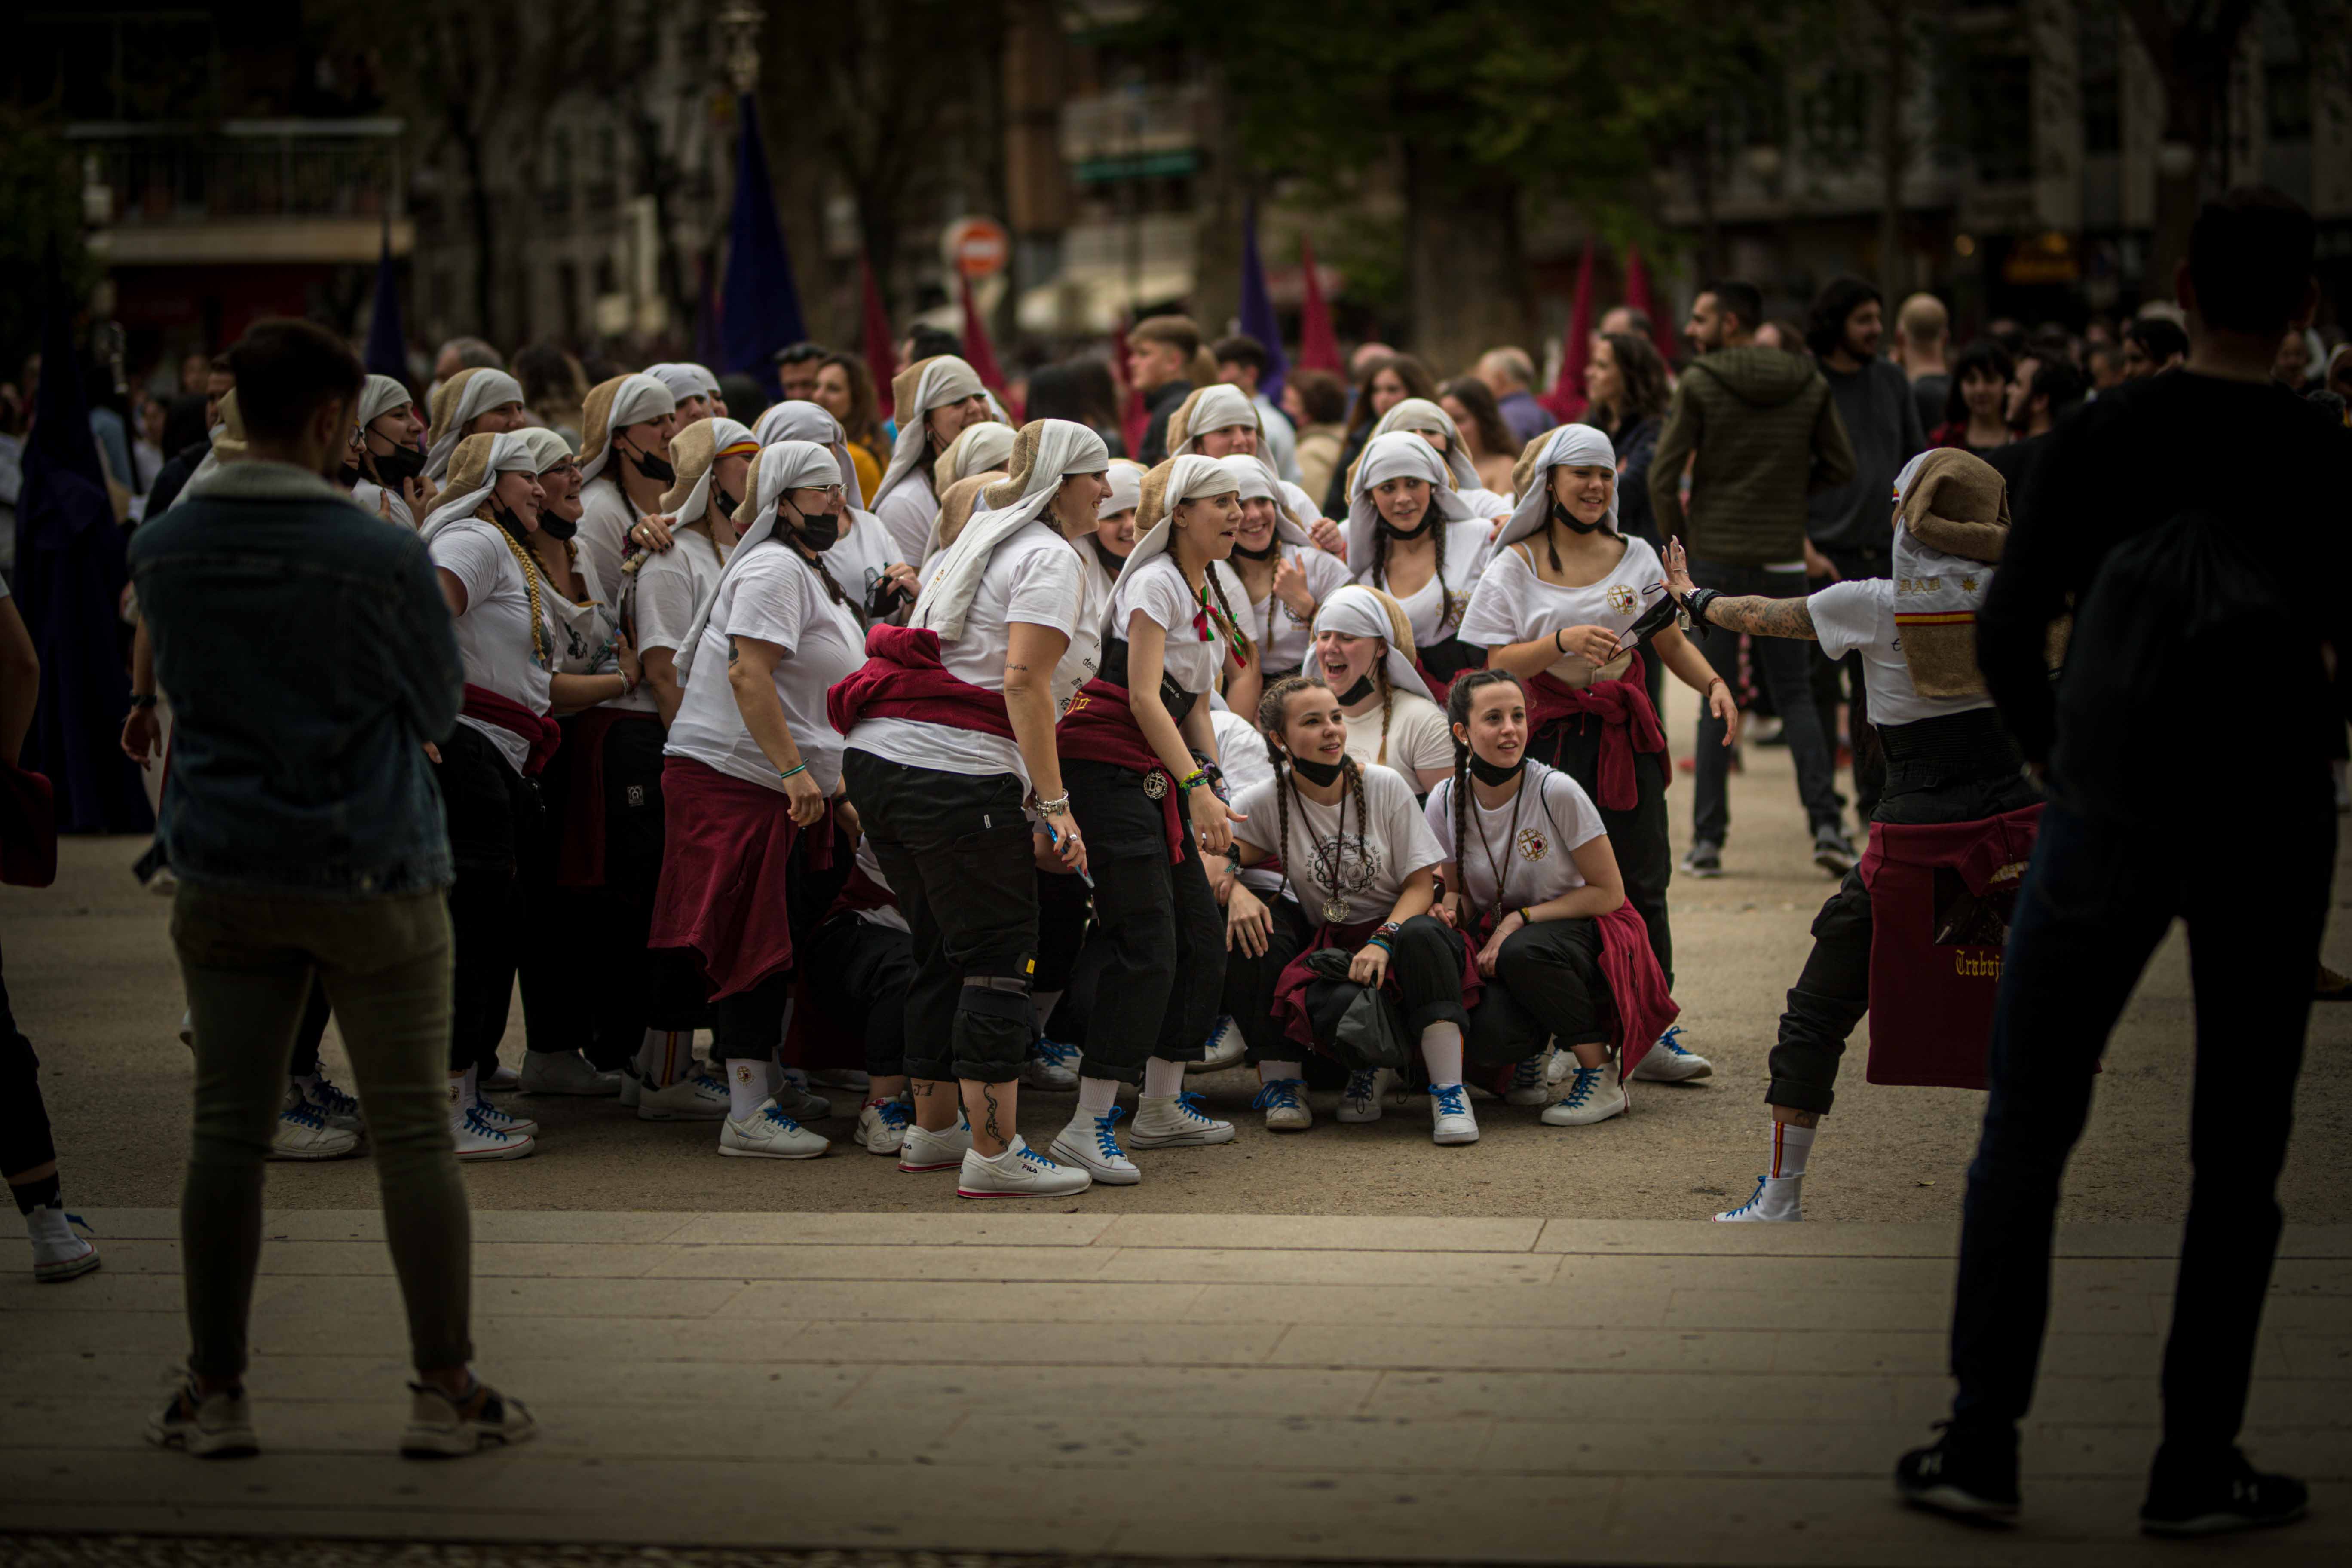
x=1753 y=613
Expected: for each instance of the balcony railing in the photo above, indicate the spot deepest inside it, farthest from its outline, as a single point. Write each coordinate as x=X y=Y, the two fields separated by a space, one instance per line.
x=1132 y=125
x=162 y=174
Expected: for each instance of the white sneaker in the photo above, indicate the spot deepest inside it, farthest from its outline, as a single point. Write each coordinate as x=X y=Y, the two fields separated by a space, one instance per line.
x=1360 y=1101
x=339 y=1110
x=794 y=1101
x=477 y=1139
x=882 y=1126
x=498 y=1119
x=565 y=1072
x=1019 y=1173
x=500 y=1079
x=1776 y=1199
x=188 y=1030
x=1530 y=1081
x=208 y=1426
x=1051 y=1065
x=57 y=1253
x=633 y=1085
x=1451 y=1118
x=1226 y=1048
x=442 y=1428
x=923 y=1151
x=302 y=1133
x=701 y=1098
x=1176 y=1121
x=1593 y=1095
x=768 y=1134
x=1668 y=1062
x=1089 y=1144
x=1284 y=1101
x=849 y=1080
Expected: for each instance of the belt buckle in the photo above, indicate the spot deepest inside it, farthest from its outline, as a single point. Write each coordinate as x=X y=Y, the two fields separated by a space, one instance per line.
x=1155 y=785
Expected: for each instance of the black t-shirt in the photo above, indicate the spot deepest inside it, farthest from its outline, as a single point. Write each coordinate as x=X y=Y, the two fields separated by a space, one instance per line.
x=2140 y=456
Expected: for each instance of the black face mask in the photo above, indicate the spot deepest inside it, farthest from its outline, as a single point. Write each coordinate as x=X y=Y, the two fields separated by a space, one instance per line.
x=400 y=463
x=724 y=503
x=1417 y=530
x=652 y=467
x=1488 y=772
x=1568 y=521
x=556 y=527
x=506 y=520
x=349 y=475
x=1272 y=548
x=1358 y=693
x=1322 y=775
x=1112 y=562
x=817 y=530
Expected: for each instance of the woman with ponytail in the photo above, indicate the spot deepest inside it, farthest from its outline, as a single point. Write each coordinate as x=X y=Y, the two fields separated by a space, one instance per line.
x=1411 y=535
x=1364 y=650
x=1535 y=889
x=1137 y=748
x=1361 y=865
x=1555 y=609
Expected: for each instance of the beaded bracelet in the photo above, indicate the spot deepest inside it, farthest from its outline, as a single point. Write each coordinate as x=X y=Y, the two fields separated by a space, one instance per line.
x=1193 y=780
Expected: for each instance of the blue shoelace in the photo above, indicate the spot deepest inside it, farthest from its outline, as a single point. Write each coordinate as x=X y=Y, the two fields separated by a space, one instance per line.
x=1054 y=1053
x=1364 y=1083
x=1529 y=1074
x=1190 y=1105
x=893 y=1112
x=775 y=1114
x=1671 y=1042
x=477 y=1122
x=1453 y=1099
x=1104 y=1142
x=1217 y=1029
x=1580 y=1090
x=331 y=1099
x=1278 y=1094
x=1753 y=1198
x=302 y=1113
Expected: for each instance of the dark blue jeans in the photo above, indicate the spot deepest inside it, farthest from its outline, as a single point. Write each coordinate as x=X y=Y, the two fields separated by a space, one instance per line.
x=2097 y=898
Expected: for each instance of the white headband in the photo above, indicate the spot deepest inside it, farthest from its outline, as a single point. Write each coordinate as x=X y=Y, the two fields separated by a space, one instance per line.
x=804 y=421
x=1399 y=455
x=1126 y=490
x=484 y=390
x=636 y=400
x=510 y=453
x=1356 y=611
x=380 y=396
x=1566 y=445
x=945 y=379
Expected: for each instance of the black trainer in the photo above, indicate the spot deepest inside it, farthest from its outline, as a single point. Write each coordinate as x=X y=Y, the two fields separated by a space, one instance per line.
x=1969 y=1476
x=2217 y=1498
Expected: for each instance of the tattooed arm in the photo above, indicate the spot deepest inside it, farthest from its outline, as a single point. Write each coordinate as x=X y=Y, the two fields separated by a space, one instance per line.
x=1761 y=617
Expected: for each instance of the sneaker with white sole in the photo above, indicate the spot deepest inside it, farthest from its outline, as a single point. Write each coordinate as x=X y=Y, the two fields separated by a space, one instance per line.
x=450 y=1426
x=1089 y=1144
x=302 y=1133
x=477 y=1139
x=1284 y=1101
x=1703 y=860
x=1019 y=1173
x=499 y=1079
x=1832 y=850
x=882 y=1126
x=851 y=1080
x=1530 y=1083
x=1668 y=1062
x=701 y=1098
x=795 y=1102
x=1593 y=1095
x=1226 y=1048
x=1451 y=1118
x=338 y=1109
x=633 y=1086
x=768 y=1134
x=943 y=1150
x=1361 y=1099
x=1052 y=1066
x=566 y=1072
x=500 y=1120
x=188 y=1029
x=1175 y=1122
x=216 y=1425
x=58 y=1254
x=1776 y=1199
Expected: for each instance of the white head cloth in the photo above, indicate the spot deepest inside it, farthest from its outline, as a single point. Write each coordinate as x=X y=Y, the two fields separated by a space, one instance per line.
x=1189 y=478
x=484 y=389
x=1421 y=414
x=1219 y=408
x=805 y=421
x=510 y=453
x=980 y=449
x=1063 y=448
x=639 y=398
x=1564 y=446
x=1399 y=455
x=685 y=380
x=1304 y=509
x=786 y=465
x=1126 y=489
x=379 y=398
x=1356 y=611
x=945 y=379
x=546 y=448
x=724 y=433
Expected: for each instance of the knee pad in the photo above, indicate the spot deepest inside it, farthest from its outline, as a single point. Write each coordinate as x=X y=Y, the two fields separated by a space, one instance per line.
x=996 y=996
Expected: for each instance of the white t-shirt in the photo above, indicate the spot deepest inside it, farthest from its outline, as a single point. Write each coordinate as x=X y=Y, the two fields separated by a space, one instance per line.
x=380 y=502
x=1158 y=589
x=907 y=513
x=1369 y=868
x=1083 y=657
x=606 y=519
x=1513 y=605
x=494 y=642
x=1032 y=578
x=1419 y=739
x=1556 y=818
x=1241 y=752
x=860 y=556
x=772 y=596
x=1466 y=550
x=1283 y=639
x=672 y=587
x=1853 y=615
x=591 y=645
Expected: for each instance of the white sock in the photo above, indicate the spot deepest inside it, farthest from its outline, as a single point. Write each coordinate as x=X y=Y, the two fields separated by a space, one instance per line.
x=747 y=1087
x=657 y=1056
x=473 y=1093
x=1162 y=1079
x=458 y=1100
x=1273 y=1072
x=1044 y=1001
x=1790 y=1144
x=1097 y=1095
x=1441 y=1048
x=305 y=1081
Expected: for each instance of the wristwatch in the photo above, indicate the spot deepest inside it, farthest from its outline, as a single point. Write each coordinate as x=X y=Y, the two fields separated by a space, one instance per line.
x=142 y=699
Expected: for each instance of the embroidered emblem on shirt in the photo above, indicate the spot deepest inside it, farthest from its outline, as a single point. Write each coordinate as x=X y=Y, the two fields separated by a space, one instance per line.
x=1533 y=845
x=1621 y=599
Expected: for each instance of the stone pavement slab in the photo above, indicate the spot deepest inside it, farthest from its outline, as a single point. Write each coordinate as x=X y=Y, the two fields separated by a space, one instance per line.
x=1156 y=1386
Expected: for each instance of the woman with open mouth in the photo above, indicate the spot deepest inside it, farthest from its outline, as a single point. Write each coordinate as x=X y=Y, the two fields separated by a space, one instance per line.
x=1411 y=534
x=1364 y=647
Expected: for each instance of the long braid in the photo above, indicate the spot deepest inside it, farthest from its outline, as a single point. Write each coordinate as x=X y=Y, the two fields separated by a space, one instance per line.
x=1243 y=649
x=1354 y=770
x=1459 y=701
x=1461 y=817
x=1551 y=544
x=1444 y=594
x=1381 y=559
x=1388 y=704
x=1273 y=708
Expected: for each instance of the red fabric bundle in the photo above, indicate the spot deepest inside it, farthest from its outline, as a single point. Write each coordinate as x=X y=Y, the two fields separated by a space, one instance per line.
x=536 y=730
x=1629 y=724
x=725 y=865
x=1637 y=986
x=1935 y=962
x=903 y=679
x=579 y=805
x=1099 y=726
x=1290 y=985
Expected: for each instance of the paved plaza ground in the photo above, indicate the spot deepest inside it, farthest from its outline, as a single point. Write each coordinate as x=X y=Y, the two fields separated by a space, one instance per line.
x=1346 y=1346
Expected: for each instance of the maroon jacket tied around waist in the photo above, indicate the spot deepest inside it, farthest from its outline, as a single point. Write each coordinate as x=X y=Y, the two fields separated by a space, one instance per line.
x=903 y=679
x=1099 y=727
x=1628 y=725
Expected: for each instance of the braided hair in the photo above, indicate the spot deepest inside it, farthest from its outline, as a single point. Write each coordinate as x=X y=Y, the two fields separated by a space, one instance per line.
x=1459 y=702
x=1273 y=709
x=1436 y=524
x=1243 y=649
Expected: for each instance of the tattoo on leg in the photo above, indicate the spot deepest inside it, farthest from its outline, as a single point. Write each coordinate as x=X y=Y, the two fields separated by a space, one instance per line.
x=921 y=1088
x=988 y=1122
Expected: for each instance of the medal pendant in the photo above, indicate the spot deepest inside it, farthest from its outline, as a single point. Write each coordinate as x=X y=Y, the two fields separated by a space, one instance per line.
x=1334 y=910
x=1155 y=785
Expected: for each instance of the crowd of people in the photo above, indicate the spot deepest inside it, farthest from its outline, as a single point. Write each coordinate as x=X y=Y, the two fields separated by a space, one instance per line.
x=926 y=760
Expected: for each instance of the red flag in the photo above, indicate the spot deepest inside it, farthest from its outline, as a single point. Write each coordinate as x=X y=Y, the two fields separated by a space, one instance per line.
x=978 y=352
x=1133 y=418
x=881 y=353
x=1318 y=349
x=1566 y=399
x=1637 y=296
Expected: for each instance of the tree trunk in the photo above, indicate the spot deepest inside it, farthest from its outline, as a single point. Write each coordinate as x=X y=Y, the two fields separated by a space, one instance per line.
x=1467 y=273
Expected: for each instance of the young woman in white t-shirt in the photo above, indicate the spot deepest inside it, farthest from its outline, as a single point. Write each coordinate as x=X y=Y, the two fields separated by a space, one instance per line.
x=1361 y=864
x=1411 y=535
x=624 y=466
x=1529 y=875
x=1282 y=577
x=1563 y=589
x=1364 y=650
x=1127 y=743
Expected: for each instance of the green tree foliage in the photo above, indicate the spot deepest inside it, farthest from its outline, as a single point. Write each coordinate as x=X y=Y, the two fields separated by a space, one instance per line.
x=40 y=192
